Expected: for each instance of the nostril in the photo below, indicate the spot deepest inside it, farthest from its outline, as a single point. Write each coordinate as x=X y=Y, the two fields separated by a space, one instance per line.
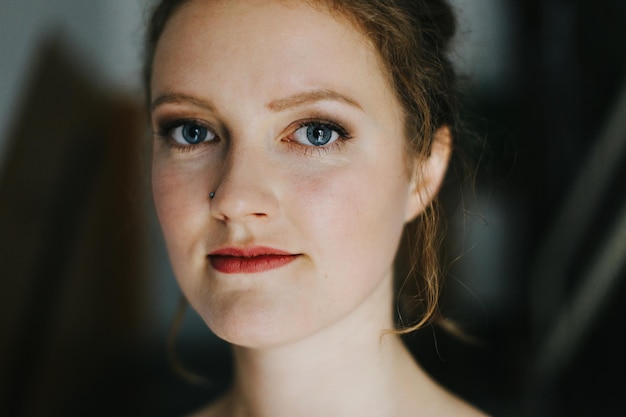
x=236 y=197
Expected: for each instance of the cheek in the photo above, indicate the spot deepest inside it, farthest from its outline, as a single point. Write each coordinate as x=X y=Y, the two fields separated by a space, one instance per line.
x=356 y=215
x=180 y=202
x=169 y=187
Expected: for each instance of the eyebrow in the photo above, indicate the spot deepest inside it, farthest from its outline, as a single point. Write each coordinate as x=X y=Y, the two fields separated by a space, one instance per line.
x=298 y=99
x=181 y=98
x=308 y=97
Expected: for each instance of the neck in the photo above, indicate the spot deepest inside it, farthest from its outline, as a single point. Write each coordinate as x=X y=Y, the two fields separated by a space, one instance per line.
x=349 y=368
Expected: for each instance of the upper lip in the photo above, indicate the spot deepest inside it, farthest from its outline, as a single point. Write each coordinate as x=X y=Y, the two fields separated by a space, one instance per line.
x=249 y=252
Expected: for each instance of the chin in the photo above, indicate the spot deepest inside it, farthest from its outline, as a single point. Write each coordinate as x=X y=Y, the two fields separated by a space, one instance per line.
x=256 y=322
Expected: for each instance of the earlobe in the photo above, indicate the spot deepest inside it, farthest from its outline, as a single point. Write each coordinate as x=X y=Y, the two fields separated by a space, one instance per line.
x=428 y=173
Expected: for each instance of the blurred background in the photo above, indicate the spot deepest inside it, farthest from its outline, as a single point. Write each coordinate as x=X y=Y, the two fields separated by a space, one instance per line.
x=87 y=297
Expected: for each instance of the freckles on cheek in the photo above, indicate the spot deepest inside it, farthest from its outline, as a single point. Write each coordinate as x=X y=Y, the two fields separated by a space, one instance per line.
x=332 y=204
x=164 y=187
x=172 y=189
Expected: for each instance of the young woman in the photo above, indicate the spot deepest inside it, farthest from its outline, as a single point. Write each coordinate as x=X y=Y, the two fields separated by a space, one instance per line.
x=294 y=141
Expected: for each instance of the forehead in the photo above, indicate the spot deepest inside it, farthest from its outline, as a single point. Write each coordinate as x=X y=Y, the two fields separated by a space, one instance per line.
x=274 y=41
x=242 y=15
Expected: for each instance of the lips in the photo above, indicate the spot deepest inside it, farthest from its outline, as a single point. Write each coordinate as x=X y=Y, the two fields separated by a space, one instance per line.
x=249 y=260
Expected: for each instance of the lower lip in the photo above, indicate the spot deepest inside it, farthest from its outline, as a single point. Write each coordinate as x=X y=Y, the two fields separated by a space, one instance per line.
x=249 y=265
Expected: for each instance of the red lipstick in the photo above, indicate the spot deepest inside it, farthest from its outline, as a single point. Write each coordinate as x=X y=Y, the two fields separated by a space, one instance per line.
x=249 y=260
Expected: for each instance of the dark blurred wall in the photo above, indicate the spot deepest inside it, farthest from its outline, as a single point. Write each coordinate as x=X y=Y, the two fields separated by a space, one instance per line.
x=543 y=280
x=72 y=247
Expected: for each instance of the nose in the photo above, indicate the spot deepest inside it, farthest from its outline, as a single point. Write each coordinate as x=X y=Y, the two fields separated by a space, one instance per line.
x=244 y=188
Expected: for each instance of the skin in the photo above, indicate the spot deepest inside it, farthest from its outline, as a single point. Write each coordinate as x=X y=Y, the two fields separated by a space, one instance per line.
x=253 y=72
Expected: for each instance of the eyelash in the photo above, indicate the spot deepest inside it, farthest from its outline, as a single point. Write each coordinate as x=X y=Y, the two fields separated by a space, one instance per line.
x=166 y=128
x=343 y=133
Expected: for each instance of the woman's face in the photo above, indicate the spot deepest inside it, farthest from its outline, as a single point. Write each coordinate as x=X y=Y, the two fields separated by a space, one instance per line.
x=284 y=113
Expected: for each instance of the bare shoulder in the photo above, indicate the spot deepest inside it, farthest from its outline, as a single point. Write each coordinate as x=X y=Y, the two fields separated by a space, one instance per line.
x=465 y=410
x=452 y=405
x=437 y=401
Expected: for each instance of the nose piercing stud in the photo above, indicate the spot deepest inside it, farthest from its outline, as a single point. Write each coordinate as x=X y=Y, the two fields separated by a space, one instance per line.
x=211 y=195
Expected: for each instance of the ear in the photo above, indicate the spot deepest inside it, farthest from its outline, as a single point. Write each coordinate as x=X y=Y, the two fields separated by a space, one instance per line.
x=428 y=173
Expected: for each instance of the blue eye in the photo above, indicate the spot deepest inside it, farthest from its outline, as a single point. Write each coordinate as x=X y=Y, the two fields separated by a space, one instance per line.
x=316 y=134
x=191 y=133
